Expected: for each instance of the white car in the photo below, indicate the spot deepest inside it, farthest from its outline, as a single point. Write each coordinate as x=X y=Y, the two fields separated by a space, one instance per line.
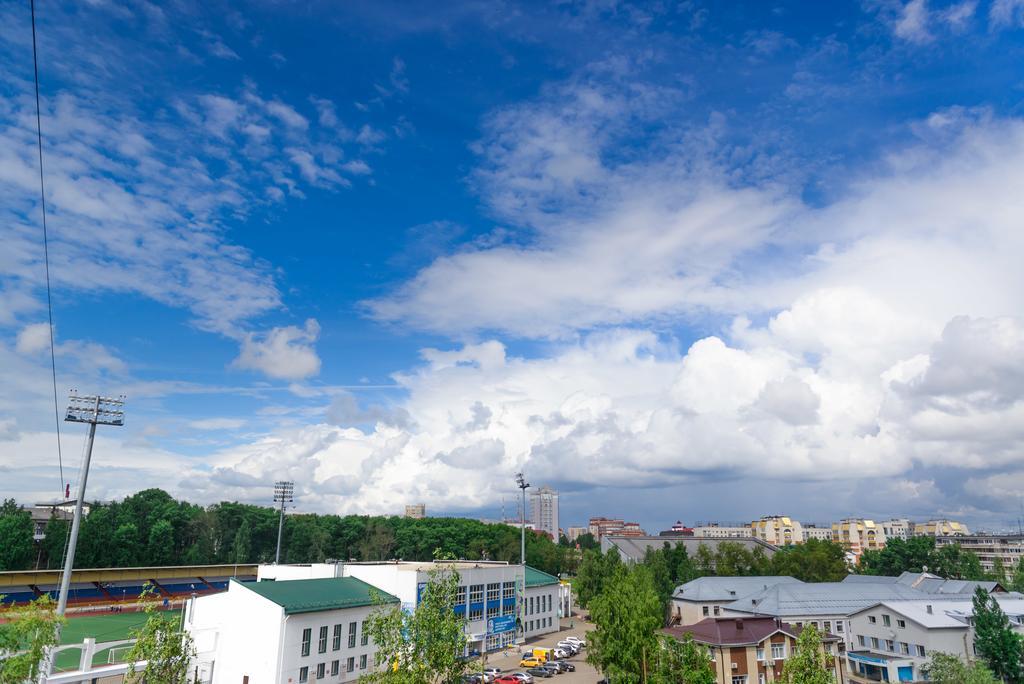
x=576 y=640
x=561 y=653
x=568 y=647
x=493 y=671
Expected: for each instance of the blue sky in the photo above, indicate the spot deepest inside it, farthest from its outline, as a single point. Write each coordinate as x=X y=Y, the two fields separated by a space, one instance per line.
x=688 y=260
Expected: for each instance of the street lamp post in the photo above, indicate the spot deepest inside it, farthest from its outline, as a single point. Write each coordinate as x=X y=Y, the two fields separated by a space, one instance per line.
x=523 y=485
x=283 y=494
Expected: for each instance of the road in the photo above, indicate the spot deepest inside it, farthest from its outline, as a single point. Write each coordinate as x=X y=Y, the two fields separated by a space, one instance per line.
x=584 y=673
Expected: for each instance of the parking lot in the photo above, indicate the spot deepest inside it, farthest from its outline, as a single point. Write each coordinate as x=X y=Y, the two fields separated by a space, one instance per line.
x=583 y=673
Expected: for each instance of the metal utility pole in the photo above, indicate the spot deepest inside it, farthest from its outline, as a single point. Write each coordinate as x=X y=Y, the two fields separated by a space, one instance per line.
x=282 y=494
x=94 y=410
x=523 y=485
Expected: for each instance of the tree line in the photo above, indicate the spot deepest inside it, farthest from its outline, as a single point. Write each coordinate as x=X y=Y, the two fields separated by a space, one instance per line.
x=151 y=528
x=921 y=554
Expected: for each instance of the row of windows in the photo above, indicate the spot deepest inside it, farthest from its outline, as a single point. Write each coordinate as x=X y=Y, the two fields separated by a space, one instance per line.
x=479 y=613
x=321 y=668
x=887 y=621
x=321 y=647
x=707 y=610
x=890 y=645
x=495 y=591
x=825 y=625
x=778 y=652
x=538 y=624
x=542 y=604
x=496 y=641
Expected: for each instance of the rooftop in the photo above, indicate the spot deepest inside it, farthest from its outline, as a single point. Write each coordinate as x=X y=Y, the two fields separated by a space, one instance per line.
x=823 y=598
x=948 y=613
x=536 y=578
x=727 y=588
x=426 y=566
x=314 y=595
x=634 y=548
x=926 y=582
x=737 y=631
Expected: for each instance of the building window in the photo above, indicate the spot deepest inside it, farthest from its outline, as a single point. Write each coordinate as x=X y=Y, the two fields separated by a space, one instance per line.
x=476 y=613
x=886 y=620
x=460 y=596
x=902 y=624
x=827 y=625
x=920 y=651
x=904 y=648
x=494 y=591
x=335 y=668
x=871 y=619
x=307 y=636
x=839 y=626
x=862 y=640
x=739 y=679
x=890 y=645
x=321 y=646
x=707 y=611
x=303 y=674
x=364 y=638
x=711 y=652
x=778 y=651
x=508 y=590
x=321 y=669
x=337 y=638
x=352 y=635
x=760 y=653
x=476 y=593
x=362 y=662
x=350 y=664
x=717 y=611
x=874 y=643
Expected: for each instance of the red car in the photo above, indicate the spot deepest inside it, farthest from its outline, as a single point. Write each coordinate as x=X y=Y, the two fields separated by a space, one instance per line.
x=506 y=679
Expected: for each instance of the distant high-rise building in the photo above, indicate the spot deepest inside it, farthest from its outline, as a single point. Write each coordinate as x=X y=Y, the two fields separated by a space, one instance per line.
x=897 y=528
x=941 y=528
x=416 y=511
x=544 y=511
x=574 y=533
x=779 y=530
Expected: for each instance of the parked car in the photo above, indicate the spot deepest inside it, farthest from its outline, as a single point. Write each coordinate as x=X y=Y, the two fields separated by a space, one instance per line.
x=552 y=668
x=507 y=679
x=472 y=679
x=540 y=672
x=523 y=677
x=566 y=665
x=494 y=671
x=558 y=665
x=560 y=653
x=531 y=662
x=569 y=647
x=576 y=640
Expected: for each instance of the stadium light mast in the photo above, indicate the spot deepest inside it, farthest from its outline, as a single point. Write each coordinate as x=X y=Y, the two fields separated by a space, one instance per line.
x=523 y=485
x=93 y=410
x=283 y=494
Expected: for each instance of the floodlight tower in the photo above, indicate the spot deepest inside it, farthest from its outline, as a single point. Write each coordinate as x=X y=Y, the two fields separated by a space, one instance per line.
x=282 y=494
x=523 y=485
x=93 y=410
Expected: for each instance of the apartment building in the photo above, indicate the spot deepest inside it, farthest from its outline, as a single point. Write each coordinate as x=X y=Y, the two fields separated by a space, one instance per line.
x=897 y=528
x=574 y=533
x=717 y=531
x=941 y=528
x=893 y=640
x=859 y=535
x=819 y=533
x=752 y=650
x=544 y=511
x=779 y=530
x=305 y=630
x=989 y=547
x=603 y=527
x=416 y=511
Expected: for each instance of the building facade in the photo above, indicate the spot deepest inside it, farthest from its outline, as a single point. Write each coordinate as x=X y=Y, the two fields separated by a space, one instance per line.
x=305 y=630
x=574 y=533
x=542 y=603
x=603 y=527
x=1007 y=547
x=897 y=528
x=752 y=650
x=859 y=535
x=544 y=511
x=819 y=533
x=416 y=511
x=941 y=528
x=717 y=531
x=779 y=530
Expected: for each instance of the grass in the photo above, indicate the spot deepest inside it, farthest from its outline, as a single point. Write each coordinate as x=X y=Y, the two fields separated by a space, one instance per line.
x=112 y=627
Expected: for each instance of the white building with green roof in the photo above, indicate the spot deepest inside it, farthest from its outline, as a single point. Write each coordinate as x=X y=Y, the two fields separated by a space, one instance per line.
x=542 y=606
x=287 y=632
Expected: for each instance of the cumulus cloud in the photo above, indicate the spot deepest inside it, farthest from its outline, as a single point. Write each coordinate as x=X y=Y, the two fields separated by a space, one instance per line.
x=33 y=338
x=286 y=352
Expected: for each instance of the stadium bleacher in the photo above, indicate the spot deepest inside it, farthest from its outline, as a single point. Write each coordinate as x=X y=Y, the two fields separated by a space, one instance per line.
x=17 y=594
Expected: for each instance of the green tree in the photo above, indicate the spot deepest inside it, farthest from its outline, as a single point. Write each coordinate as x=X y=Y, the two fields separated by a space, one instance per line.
x=595 y=569
x=160 y=642
x=426 y=645
x=55 y=537
x=998 y=573
x=160 y=547
x=809 y=663
x=683 y=661
x=626 y=614
x=26 y=633
x=815 y=560
x=587 y=541
x=241 y=548
x=16 y=545
x=1017 y=581
x=944 y=668
x=994 y=639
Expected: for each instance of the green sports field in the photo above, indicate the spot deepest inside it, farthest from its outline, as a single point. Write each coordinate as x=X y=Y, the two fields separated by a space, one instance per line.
x=113 y=627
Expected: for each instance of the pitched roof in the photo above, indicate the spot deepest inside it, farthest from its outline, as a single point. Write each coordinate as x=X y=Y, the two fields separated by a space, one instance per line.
x=634 y=548
x=948 y=613
x=314 y=595
x=926 y=582
x=737 y=631
x=727 y=588
x=536 y=578
x=822 y=598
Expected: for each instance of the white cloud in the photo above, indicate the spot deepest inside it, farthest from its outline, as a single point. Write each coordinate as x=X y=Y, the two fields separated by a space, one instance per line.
x=33 y=338
x=217 y=423
x=913 y=22
x=285 y=352
x=1006 y=14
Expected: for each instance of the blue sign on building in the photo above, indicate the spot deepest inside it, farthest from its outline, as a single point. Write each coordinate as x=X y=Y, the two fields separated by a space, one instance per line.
x=501 y=623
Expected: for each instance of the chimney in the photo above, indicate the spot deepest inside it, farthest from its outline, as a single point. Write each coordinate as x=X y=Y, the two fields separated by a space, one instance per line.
x=929 y=608
x=739 y=624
